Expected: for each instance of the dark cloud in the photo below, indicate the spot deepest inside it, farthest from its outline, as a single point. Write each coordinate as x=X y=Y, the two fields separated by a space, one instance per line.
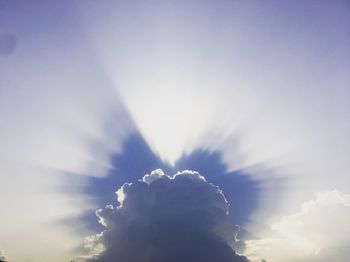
x=166 y=219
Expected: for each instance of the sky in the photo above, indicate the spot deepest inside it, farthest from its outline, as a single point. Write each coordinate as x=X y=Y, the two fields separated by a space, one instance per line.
x=251 y=96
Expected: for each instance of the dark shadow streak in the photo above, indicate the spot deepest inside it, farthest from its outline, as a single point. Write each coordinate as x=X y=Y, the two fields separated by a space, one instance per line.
x=136 y=159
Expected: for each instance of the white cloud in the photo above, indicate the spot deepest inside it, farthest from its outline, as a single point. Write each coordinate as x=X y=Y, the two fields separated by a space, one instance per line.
x=272 y=77
x=319 y=232
x=149 y=178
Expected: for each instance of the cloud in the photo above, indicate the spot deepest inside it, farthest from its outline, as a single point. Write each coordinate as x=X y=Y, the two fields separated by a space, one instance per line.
x=319 y=232
x=232 y=76
x=163 y=218
x=191 y=75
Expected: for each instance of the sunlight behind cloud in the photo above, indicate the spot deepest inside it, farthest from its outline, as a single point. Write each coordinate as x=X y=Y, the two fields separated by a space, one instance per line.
x=268 y=89
x=264 y=84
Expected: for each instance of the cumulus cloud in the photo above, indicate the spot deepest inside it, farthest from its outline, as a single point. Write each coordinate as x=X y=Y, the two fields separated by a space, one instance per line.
x=164 y=218
x=263 y=89
x=319 y=232
x=191 y=75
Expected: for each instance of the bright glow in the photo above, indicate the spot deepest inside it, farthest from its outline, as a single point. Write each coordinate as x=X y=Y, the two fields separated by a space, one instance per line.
x=56 y=110
x=271 y=92
x=321 y=225
x=265 y=84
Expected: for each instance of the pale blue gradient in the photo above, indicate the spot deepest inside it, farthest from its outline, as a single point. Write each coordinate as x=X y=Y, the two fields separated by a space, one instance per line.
x=264 y=84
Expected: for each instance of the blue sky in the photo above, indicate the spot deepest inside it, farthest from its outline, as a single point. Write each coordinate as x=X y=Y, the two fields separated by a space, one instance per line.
x=254 y=96
x=137 y=159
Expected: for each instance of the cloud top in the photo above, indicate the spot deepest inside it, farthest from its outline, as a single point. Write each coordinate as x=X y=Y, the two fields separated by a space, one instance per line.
x=166 y=218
